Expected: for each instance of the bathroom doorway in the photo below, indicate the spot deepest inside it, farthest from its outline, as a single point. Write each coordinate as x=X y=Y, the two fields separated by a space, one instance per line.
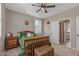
x=65 y=33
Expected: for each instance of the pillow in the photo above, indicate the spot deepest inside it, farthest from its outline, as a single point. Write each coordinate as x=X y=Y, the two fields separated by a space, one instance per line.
x=22 y=34
x=29 y=35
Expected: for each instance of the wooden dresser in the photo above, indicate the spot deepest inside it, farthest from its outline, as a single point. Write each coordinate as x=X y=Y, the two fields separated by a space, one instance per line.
x=11 y=42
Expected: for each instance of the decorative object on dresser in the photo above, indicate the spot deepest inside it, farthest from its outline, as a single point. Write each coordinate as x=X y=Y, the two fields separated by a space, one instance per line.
x=11 y=42
x=9 y=34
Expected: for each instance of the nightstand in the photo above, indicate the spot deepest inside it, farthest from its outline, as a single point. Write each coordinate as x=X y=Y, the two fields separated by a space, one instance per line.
x=11 y=42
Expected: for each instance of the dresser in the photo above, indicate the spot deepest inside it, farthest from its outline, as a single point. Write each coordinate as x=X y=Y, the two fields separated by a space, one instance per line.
x=11 y=42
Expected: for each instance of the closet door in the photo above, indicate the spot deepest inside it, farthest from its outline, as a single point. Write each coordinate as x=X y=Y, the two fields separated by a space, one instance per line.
x=55 y=32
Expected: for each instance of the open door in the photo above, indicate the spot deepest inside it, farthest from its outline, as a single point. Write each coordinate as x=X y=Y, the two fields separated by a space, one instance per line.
x=65 y=32
x=61 y=33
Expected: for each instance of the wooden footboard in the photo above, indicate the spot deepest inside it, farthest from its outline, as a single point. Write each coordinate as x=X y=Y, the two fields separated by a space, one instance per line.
x=35 y=42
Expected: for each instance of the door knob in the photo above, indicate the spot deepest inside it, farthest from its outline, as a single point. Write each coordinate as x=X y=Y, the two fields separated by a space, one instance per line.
x=77 y=35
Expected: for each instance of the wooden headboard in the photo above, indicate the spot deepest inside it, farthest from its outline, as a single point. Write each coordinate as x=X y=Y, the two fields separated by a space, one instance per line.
x=26 y=31
x=18 y=33
x=36 y=42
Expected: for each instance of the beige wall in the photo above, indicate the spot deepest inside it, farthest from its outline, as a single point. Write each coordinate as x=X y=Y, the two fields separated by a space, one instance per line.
x=16 y=22
x=0 y=21
x=3 y=27
x=71 y=13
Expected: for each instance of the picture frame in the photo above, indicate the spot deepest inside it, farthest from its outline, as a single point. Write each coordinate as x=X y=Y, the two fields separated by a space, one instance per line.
x=26 y=22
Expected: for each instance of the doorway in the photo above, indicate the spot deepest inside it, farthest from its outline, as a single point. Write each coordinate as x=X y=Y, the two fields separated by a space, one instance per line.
x=65 y=32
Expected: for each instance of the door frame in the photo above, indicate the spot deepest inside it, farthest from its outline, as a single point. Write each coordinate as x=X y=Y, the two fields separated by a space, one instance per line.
x=63 y=19
x=61 y=32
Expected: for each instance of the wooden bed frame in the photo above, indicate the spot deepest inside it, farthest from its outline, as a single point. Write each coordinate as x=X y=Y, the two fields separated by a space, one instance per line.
x=35 y=42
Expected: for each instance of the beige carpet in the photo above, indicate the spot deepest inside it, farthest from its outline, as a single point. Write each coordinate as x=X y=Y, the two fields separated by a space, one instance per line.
x=59 y=50
x=11 y=52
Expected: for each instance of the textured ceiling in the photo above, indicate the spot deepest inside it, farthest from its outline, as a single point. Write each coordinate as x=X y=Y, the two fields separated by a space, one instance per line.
x=27 y=8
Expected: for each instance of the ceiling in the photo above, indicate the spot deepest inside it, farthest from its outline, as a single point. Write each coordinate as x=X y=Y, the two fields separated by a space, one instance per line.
x=27 y=8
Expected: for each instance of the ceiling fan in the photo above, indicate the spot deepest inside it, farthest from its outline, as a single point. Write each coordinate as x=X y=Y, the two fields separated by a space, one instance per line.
x=43 y=7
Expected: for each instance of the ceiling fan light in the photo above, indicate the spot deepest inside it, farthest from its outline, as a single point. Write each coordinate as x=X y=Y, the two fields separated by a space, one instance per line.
x=43 y=9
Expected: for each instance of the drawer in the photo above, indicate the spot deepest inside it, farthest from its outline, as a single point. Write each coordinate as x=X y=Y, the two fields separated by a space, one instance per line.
x=11 y=38
x=12 y=46
x=11 y=41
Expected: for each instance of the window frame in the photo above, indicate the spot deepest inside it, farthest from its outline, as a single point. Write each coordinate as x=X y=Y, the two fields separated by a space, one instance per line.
x=39 y=31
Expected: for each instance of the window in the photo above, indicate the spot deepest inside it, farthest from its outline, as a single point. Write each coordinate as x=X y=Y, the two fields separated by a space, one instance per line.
x=38 y=26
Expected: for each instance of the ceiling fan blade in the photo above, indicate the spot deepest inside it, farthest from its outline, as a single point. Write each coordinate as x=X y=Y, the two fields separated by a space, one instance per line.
x=41 y=4
x=44 y=4
x=38 y=10
x=50 y=6
x=45 y=10
x=36 y=5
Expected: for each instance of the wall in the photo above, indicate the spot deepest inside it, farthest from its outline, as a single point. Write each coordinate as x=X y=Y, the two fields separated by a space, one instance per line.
x=0 y=21
x=16 y=22
x=3 y=27
x=54 y=32
x=77 y=32
x=71 y=13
